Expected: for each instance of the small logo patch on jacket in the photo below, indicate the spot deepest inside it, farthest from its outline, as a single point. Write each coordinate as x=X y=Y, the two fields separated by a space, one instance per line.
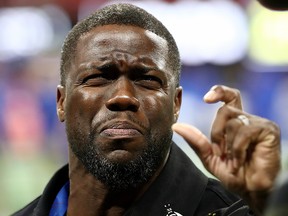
x=170 y=211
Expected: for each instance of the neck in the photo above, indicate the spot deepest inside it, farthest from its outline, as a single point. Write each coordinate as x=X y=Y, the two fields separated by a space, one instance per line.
x=88 y=196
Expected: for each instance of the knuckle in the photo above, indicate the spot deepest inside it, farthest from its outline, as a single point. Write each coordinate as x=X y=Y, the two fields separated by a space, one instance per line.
x=222 y=110
x=237 y=93
x=231 y=124
x=271 y=126
x=276 y=128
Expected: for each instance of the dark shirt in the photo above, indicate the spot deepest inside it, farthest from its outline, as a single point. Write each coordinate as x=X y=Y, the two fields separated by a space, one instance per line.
x=180 y=189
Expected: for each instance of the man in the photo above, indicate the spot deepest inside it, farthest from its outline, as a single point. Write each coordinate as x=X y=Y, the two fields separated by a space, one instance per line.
x=119 y=97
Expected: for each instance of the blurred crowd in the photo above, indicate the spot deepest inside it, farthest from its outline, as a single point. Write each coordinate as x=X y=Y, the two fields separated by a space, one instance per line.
x=32 y=141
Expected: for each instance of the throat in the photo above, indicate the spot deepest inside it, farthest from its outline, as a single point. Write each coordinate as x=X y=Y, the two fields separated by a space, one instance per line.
x=100 y=202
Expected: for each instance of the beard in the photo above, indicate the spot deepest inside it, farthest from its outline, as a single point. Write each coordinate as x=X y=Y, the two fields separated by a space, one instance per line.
x=120 y=176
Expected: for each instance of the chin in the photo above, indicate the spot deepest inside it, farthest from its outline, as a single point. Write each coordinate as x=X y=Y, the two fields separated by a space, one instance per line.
x=121 y=156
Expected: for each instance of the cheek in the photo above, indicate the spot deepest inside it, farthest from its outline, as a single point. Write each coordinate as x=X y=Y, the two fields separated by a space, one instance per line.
x=83 y=105
x=159 y=109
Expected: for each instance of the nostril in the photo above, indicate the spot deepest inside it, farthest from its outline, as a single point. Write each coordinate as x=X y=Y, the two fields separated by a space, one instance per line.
x=122 y=103
x=116 y=107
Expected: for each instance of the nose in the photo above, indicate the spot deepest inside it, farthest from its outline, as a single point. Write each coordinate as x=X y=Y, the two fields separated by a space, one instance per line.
x=123 y=97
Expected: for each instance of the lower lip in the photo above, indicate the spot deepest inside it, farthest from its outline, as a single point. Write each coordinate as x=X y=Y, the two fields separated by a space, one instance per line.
x=120 y=132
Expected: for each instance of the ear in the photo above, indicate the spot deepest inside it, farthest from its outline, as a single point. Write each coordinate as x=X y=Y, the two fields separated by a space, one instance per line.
x=177 y=102
x=61 y=96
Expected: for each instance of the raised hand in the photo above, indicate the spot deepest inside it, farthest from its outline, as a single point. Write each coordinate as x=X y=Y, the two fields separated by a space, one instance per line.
x=244 y=150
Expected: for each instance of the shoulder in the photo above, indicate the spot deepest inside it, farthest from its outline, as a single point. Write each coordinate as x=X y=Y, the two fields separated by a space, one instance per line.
x=217 y=200
x=208 y=193
x=216 y=191
x=28 y=209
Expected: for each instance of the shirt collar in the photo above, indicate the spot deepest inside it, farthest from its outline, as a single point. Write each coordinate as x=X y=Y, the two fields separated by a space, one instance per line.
x=60 y=204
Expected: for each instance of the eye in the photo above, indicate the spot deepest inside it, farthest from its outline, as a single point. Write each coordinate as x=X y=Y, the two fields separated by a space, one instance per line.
x=148 y=81
x=96 y=80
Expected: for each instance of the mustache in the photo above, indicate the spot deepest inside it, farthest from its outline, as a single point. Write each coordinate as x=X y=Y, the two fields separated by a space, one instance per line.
x=124 y=116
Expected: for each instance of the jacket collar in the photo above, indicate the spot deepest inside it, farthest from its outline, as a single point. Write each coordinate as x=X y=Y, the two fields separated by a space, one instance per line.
x=178 y=188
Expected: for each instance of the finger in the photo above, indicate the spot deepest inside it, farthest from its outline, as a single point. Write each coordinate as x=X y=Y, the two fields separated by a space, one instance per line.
x=231 y=131
x=260 y=133
x=243 y=145
x=229 y=96
x=195 y=138
x=218 y=131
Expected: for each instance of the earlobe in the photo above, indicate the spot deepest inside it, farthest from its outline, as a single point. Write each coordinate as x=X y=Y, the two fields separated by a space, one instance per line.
x=61 y=96
x=177 y=103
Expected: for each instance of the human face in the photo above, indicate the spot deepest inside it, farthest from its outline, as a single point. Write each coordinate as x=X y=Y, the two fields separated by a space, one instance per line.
x=119 y=101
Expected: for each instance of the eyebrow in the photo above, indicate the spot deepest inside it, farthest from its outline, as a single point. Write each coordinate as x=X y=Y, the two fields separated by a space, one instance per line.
x=143 y=69
x=86 y=67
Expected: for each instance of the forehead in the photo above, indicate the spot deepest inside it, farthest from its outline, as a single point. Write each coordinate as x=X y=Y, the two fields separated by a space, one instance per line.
x=130 y=39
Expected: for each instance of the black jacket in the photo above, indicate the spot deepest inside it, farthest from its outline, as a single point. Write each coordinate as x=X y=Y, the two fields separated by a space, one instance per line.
x=180 y=188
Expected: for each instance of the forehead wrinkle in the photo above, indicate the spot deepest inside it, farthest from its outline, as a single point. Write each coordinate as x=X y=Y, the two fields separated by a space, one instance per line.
x=112 y=58
x=129 y=38
x=131 y=42
x=134 y=65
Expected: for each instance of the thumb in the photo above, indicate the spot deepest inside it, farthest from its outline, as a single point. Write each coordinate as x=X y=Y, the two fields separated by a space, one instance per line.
x=195 y=138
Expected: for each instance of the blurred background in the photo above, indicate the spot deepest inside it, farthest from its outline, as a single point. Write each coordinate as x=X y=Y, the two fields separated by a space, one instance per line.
x=236 y=43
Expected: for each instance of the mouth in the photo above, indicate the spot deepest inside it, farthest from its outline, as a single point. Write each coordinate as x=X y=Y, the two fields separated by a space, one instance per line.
x=121 y=130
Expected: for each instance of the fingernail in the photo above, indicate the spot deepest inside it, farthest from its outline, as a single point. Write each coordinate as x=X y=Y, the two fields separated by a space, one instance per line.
x=210 y=95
